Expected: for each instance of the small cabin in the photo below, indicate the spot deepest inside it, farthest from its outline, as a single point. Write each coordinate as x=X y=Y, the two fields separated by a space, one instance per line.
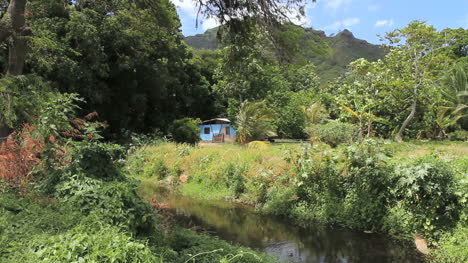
x=217 y=130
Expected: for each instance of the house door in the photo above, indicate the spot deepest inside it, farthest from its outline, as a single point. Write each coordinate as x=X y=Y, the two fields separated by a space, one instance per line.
x=226 y=131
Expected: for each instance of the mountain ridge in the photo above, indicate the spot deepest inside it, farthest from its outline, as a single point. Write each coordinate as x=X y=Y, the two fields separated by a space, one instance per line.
x=331 y=58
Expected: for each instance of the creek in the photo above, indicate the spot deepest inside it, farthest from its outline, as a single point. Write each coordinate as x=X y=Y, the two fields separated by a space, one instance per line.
x=240 y=224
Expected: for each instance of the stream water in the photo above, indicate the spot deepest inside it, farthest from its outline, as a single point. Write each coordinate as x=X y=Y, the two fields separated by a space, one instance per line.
x=289 y=243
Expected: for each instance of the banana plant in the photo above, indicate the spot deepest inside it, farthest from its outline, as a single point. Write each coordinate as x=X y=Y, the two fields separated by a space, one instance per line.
x=363 y=117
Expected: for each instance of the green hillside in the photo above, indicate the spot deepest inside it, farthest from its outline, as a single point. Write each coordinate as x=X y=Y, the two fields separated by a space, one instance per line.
x=331 y=59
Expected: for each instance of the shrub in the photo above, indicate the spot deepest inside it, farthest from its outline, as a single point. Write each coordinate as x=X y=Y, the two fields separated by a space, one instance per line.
x=334 y=133
x=233 y=177
x=318 y=185
x=116 y=203
x=85 y=244
x=426 y=191
x=206 y=249
x=158 y=169
x=97 y=160
x=458 y=135
x=18 y=157
x=22 y=217
x=453 y=246
x=367 y=180
x=185 y=130
x=279 y=201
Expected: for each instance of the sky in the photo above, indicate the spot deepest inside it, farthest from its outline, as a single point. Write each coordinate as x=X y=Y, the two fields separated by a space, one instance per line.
x=365 y=18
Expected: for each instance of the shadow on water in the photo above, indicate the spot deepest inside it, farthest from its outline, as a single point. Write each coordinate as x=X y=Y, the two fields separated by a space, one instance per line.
x=289 y=243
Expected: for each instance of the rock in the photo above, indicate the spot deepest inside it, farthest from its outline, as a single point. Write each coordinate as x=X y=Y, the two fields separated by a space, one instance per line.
x=421 y=245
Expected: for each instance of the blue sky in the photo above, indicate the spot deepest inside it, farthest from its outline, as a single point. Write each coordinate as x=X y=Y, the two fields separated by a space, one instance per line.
x=365 y=18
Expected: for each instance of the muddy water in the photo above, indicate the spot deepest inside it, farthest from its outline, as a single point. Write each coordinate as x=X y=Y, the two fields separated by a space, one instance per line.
x=289 y=243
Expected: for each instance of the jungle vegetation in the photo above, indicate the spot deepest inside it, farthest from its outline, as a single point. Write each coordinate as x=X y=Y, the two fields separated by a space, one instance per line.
x=87 y=86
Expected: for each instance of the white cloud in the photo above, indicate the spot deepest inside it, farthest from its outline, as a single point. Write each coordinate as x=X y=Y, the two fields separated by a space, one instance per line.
x=189 y=8
x=335 y=4
x=380 y=23
x=349 y=22
x=209 y=23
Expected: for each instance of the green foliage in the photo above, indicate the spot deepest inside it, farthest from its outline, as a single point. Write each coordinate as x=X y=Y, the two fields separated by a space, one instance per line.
x=335 y=133
x=458 y=135
x=22 y=217
x=116 y=203
x=425 y=190
x=291 y=120
x=233 y=177
x=157 y=169
x=185 y=130
x=30 y=99
x=453 y=246
x=137 y=53
x=97 y=160
x=279 y=201
x=85 y=244
x=254 y=121
x=201 y=248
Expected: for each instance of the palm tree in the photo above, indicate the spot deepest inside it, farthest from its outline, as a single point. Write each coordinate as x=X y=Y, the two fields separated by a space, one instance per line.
x=456 y=101
x=254 y=121
x=315 y=113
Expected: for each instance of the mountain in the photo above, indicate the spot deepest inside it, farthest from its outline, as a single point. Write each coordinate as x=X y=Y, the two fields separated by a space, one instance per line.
x=330 y=54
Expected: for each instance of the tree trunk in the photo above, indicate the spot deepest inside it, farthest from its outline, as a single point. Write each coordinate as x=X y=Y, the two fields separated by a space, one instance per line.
x=4 y=132
x=369 y=128
x=17 y=56
x=399 y=135
x=14 y=31
x=17 y=36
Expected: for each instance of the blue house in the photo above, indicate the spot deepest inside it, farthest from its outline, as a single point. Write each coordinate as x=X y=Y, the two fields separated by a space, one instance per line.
x=217 y=130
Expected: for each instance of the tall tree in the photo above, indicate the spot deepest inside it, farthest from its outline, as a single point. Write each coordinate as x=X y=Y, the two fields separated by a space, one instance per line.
x=419 y=59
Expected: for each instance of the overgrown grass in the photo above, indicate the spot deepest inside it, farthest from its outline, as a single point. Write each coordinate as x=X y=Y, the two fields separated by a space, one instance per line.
x=402 y=189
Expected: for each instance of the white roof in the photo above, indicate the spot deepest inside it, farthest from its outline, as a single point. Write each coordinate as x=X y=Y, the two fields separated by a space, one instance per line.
x=217 y=119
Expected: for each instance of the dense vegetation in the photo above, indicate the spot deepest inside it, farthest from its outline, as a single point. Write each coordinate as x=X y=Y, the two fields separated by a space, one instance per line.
x=371 y=185
x=80 y=76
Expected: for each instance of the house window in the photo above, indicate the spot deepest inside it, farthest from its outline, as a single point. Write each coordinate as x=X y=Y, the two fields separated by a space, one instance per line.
x=206 y=130
x=227 y=130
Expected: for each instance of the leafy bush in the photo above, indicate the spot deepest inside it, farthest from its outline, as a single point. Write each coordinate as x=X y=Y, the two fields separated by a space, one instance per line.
x=185 y=130
x=116 y=203
x=84 y=243
x=318 y=185
x=425 y=190
x=97 y=160
x=335 y=133
x=367 y=181
x=158 y=169
x=453 y=246
x=279 y=201
x=233 y=177
x=205 y=249
x=351 y=191
x=458 y=135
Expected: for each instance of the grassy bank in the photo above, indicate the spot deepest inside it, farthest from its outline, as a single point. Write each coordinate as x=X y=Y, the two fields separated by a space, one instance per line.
x=402 y=189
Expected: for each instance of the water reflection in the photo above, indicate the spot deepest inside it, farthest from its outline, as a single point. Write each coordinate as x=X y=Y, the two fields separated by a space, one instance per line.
x=289 y=243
